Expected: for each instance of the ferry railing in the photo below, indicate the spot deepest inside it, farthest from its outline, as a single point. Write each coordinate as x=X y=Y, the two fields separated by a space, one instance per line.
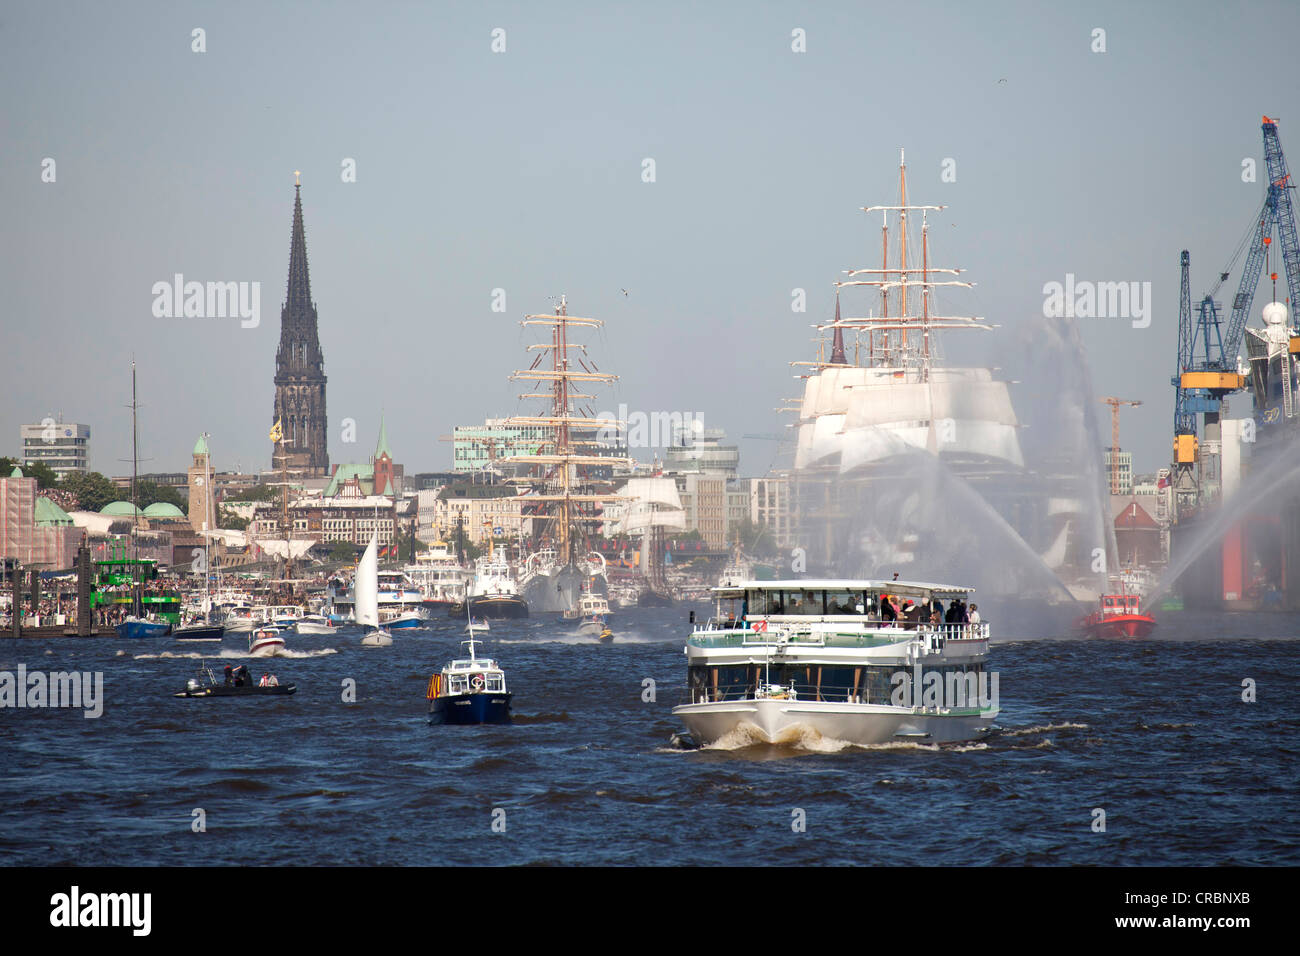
x=750 y=692
x=728 y=633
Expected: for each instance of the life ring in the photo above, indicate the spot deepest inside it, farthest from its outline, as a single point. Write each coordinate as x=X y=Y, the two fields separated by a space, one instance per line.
x=476 y=682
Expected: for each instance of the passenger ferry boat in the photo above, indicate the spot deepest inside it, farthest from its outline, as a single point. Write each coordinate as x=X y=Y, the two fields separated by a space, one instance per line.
x=439 y=576
x=782 y=657
x=469 y=691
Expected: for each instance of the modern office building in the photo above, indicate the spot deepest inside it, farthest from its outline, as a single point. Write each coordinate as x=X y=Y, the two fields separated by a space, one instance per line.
x=62 y=446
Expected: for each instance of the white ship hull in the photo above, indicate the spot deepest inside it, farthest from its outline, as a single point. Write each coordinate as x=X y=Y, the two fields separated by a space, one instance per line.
x=776 y=721
x=266 y=646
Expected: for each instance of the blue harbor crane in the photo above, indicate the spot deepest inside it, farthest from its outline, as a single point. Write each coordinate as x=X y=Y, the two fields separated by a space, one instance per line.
x=1207 y=348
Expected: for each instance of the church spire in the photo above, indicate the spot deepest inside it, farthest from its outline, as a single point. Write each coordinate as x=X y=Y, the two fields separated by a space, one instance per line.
x=299 y=365
x=299 y=291
x=837 y=344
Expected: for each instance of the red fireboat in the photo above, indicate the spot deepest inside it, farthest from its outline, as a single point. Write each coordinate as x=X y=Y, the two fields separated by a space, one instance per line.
x=1119 y=616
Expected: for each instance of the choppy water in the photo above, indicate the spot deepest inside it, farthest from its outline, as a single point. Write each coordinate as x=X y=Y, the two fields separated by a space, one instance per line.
x=1155 y=733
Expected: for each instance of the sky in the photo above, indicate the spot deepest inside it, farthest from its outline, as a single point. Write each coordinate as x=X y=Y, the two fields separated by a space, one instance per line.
x=523 y=170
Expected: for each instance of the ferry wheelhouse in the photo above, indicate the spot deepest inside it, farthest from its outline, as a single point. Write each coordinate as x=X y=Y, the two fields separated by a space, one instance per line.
x=846 y=659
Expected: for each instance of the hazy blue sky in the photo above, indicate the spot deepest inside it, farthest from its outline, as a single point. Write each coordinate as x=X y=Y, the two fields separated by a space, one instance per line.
x=522 y=170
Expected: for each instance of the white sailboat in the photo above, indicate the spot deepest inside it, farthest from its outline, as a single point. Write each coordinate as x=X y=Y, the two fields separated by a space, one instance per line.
x=366 y=589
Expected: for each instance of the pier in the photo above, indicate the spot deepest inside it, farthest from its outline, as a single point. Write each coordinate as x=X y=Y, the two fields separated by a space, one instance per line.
x=82 y=622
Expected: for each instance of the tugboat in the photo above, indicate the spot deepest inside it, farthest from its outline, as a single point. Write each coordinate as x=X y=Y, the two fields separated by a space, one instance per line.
x=238 y=683
x=1119 y=616
x=469 y=691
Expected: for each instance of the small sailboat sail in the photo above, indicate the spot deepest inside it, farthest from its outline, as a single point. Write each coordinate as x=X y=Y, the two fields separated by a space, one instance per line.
x=366 y=588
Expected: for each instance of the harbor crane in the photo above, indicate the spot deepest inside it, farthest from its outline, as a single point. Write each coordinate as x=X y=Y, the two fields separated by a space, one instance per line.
x=1114 y=404
x=1208 y=345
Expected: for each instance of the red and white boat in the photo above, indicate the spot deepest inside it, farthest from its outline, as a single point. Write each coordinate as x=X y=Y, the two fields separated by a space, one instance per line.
x=1120 y=615
x=265 y=641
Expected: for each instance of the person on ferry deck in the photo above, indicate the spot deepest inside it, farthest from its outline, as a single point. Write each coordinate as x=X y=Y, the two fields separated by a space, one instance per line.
x=974 y=616
x=888 y=613
x=911 y=613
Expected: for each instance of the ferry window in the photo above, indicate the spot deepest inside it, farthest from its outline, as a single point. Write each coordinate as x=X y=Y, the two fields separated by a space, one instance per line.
x=756 y=601
x=842 y=602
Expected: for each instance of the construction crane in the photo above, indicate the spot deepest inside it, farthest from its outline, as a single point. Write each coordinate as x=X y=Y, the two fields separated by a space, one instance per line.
x=1114 y=404
x=1205 y=379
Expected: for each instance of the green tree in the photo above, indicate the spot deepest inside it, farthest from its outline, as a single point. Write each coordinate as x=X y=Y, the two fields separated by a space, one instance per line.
x=91 y=489
x=230 y=521
x=343 y=551
x=150 y=492
x=43 y=473
x=256 y=493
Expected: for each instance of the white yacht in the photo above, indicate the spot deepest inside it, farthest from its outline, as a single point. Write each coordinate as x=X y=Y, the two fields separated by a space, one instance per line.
x=265 y=640
x=315 y=624
x=849 y=660
x=241 y=619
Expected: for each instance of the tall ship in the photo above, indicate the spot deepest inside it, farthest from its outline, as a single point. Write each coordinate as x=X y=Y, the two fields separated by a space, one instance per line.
x=846 y=660
x=906 y=460
x=569 y=473
x=652 y=509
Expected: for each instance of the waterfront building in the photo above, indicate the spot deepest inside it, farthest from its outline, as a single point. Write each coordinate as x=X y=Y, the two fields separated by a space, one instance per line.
x=34 y=531
x=379 y=476
x=1125 y=462
x=701 y=452
x=704 y=500
x=769 y=506
x=482 y=510
x=63 y=447
x=300 y=365
x=484 y=448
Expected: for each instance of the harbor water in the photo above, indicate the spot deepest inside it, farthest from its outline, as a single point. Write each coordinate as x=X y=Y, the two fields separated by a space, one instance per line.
x=1153 y=734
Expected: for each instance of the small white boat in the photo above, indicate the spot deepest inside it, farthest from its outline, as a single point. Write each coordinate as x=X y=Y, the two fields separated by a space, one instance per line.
x=315 y=624
x=265 y=641
x=393 y=620
x=477 y=625
x=241 y=619
x=366 y=589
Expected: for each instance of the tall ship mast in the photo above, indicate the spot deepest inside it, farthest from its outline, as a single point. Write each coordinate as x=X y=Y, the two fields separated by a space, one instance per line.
x=906 y=461
x=564 y=493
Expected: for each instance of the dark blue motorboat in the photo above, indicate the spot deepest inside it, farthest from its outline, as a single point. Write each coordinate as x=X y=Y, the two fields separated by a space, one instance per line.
x=469 y=691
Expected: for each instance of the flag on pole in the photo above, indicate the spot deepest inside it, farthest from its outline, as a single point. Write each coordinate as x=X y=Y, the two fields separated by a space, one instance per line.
x=276 y=431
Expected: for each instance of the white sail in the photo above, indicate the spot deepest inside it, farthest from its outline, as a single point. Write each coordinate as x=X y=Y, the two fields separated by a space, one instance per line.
x=279 y=548
x=366 y=586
